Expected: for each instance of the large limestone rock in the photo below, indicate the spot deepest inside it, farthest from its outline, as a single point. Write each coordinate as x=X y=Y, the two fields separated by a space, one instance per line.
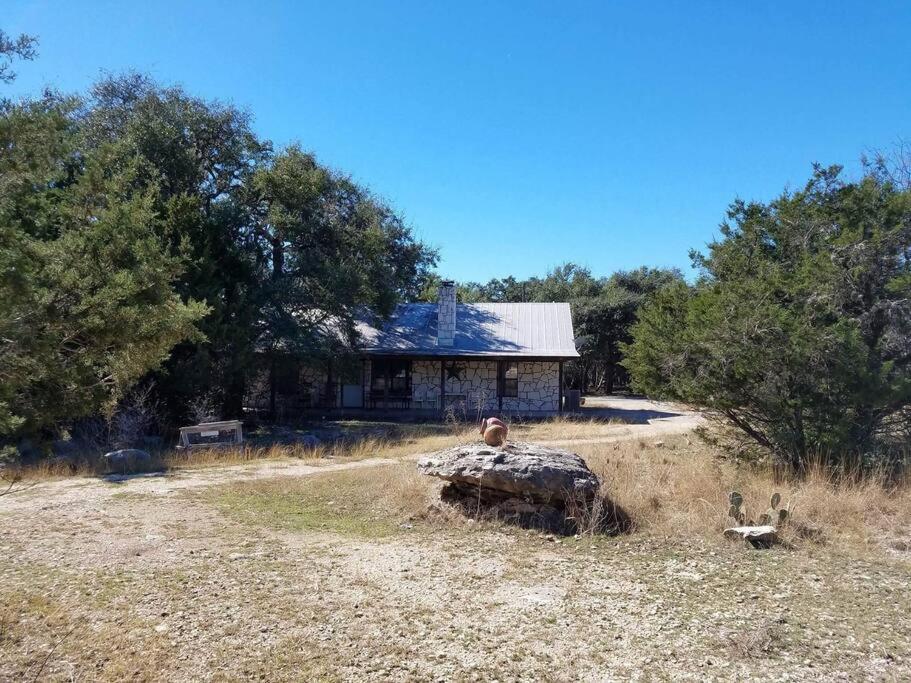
x=523 y=470
x=126 y=461
x=523 y=483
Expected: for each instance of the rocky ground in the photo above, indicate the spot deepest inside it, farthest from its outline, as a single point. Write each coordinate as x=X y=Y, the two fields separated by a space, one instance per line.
x=285 y=577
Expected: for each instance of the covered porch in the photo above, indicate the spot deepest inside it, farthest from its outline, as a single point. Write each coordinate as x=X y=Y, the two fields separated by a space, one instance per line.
x=462 y=385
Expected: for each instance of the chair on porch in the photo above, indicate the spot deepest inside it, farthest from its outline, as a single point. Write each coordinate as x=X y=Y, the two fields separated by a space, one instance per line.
x=426 y=399
x=375 y=397
x=378 y=398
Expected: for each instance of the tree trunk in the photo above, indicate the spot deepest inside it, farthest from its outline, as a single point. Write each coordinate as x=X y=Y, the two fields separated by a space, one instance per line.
x=233 y=402
x=272 y=389
x=799 y=455
x=278 y=258
x=609 y=380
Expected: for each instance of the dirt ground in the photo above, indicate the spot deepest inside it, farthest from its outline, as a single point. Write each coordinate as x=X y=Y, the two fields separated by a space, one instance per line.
x=188 y=577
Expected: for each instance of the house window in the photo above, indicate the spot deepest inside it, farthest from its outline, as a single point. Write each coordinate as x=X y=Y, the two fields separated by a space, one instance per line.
x=508 y=379
x=392 y=373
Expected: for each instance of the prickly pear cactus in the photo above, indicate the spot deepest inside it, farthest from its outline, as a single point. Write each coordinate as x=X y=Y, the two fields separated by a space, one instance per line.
x=736 y=510
x=772 y=516
x=780 y=516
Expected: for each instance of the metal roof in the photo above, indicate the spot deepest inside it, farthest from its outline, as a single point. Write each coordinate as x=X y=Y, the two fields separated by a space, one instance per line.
x=521 y=329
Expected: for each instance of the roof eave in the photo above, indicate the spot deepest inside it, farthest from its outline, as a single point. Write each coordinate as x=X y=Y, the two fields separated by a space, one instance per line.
x=448 y=353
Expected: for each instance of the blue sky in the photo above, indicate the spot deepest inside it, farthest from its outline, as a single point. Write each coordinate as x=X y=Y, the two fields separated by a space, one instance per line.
x=515 y=136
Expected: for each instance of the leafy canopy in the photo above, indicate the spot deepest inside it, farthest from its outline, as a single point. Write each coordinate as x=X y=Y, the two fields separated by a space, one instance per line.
x=798 y=331
x=22 y=47
x=86 y=299
x=147 y=234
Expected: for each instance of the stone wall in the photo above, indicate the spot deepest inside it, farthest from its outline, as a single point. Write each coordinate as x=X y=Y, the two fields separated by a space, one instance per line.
x=425 y=383
x=476 y=388
x=539 y=388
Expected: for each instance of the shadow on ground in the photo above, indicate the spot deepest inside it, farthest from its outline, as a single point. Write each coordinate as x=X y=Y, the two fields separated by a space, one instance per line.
x=627 y=409
x=123 y=478
x=625 y=415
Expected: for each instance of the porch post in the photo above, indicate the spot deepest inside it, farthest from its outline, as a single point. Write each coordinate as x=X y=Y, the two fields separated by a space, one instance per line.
x=500 y=383
x=386 y=388
x=442 y=385
x=329 y=386
x=560 y=392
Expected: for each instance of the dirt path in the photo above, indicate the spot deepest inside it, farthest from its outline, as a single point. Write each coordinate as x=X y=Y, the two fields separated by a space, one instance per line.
x=637 y=418
x=651 y=430
x=65 y=491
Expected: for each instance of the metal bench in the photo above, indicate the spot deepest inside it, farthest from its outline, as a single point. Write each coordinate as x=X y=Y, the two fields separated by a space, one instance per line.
x=208 y=434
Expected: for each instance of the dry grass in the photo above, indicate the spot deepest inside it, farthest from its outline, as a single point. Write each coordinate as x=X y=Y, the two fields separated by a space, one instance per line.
x=43 y=635
x=402 y=442
x=88 y=466
x=681 y=489
x=677 y=490
x=564 y=427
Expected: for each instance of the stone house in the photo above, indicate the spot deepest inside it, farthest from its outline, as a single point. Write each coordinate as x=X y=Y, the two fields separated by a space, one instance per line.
x=435 y=358
x=431 y=359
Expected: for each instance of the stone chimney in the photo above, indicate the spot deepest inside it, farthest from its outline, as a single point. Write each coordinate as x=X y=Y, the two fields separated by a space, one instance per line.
x=446 y=314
